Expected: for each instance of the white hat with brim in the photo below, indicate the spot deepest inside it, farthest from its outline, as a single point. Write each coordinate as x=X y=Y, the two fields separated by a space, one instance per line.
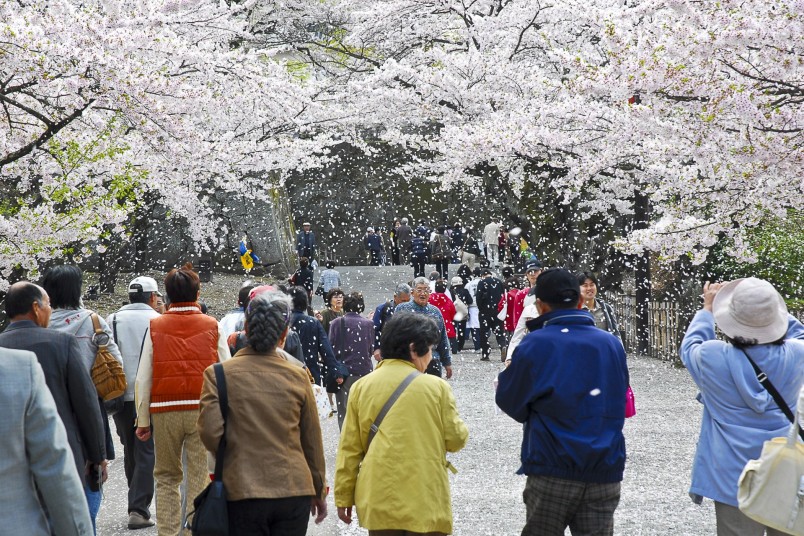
x=750 y=308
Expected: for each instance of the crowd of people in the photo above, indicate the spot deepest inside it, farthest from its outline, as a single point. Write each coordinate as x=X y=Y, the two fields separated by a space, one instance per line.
x=287 y=366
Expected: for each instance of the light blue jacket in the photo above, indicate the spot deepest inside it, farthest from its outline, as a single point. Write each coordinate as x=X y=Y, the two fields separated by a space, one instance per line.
x=35 y=455
x=739 y=415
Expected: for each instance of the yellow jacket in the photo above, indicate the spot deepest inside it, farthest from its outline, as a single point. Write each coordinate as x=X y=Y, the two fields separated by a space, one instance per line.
x=401 y=483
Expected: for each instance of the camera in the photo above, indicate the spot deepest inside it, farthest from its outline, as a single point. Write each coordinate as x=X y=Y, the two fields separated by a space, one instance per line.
x=95 y=477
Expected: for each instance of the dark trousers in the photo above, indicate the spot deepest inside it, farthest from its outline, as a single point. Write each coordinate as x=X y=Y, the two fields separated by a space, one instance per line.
x=487 y=325
x=375 y=257
x=418 y=265
x=269 y=517
x=442 y=267
x=460 y=335
x=138 y=461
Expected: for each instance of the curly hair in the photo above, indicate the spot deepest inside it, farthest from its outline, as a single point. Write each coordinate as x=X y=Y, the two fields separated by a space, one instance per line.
x=267 y=319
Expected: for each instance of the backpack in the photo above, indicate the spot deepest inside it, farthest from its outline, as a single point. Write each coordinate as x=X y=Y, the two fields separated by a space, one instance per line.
x=107 y=372
x=439 y=248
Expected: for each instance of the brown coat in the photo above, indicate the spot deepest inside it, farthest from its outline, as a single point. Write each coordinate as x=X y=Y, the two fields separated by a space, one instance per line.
x=274 y=447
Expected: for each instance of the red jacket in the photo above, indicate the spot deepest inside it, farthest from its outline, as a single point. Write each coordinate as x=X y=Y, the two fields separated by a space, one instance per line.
x=185 y=343
x=447 y=308
x=510 y=298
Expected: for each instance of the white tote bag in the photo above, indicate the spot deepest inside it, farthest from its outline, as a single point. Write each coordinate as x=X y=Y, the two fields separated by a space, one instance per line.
x=461 y=310
x=771 y=489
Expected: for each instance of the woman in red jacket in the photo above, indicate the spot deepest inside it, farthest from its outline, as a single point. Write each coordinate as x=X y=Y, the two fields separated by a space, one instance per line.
x=509 y=302
x=440 y=299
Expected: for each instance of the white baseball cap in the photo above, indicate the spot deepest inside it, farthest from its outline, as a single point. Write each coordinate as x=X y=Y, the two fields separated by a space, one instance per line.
x=143 y=284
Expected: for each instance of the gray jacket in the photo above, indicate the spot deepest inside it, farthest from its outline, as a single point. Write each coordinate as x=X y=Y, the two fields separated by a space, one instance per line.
x=77 y=322
x=36 y=461
x=129 y=326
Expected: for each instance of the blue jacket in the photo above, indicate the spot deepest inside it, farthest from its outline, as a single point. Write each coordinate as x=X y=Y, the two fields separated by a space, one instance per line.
x=738 y=413
x=567 y=383
x=314 y=343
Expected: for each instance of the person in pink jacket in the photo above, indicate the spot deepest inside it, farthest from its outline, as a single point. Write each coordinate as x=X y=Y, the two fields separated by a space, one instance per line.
x=444 y=303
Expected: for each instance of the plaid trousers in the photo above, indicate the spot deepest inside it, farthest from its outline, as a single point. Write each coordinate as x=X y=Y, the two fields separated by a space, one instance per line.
x=553 y=504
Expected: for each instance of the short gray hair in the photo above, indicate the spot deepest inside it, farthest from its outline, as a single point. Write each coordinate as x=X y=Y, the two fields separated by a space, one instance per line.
x=402 y=288
x=405 y=221
x=421 y=281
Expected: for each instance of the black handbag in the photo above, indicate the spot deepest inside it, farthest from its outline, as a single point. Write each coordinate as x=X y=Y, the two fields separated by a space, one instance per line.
x=211 y=514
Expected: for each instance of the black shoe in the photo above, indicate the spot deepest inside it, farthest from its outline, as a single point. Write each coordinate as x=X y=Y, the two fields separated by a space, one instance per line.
x=485 y=358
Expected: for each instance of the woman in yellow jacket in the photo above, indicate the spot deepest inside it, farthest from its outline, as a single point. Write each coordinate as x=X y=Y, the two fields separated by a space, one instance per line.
x=400 y=485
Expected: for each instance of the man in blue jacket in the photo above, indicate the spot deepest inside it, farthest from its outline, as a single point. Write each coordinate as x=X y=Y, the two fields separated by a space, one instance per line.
x=567 y=383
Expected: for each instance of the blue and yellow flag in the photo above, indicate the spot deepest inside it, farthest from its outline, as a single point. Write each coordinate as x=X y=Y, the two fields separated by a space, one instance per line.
x=247 y=258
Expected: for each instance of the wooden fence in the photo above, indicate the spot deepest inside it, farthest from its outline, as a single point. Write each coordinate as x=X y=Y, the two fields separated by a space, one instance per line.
x=667 y=323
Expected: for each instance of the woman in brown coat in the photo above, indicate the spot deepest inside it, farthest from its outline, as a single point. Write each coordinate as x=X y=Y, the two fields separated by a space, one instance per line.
x=273 y=470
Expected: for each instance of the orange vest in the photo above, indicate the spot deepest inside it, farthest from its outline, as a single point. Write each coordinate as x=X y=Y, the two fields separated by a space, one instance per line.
x=185 y=343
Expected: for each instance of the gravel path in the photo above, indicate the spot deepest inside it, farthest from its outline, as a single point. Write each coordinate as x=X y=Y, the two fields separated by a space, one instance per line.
x=486 y=492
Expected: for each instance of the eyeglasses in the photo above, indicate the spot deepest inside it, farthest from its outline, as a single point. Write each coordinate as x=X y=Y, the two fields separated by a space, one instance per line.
x=422 y=291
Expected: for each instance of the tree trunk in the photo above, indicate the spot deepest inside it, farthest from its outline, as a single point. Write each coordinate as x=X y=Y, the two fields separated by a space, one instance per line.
x=642 y=277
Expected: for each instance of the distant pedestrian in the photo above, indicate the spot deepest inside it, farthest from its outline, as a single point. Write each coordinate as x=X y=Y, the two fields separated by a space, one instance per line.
x=352 y=339
x=441 y=252
x=444 y=303
x=567 y=384
x=394 y=242
x=508 y=304
x=525 y=306
x=305 y=242
x=303 y=277
x=418 y=254
x=330 y=278
x=473 y=323
x=385 y=311
x=404 y=236
x=314 y=341
x=471 y=249
x=399 y=480
x=491 y=237
x=373 y=244
x=442 y=358
x=235 y=319
x=456 y=239
x=458 y=291
x=489 y=292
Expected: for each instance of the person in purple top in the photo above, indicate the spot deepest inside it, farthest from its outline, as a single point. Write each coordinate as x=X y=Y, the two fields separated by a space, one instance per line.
x=352 y=339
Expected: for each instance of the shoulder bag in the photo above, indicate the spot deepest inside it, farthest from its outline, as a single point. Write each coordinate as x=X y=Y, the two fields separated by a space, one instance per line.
x=375 y=426
x=107 y=372
x=211 y=514
x=771 y=489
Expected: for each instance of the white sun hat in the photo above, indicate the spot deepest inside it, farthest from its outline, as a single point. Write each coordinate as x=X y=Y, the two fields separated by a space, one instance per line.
x=752 y=309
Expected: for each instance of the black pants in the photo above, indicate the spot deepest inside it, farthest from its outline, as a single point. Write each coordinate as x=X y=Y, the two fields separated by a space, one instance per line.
x=418 y=265
x=442 y=267
x=487 y=325
x=138 y=462
x=460 y=332
x=269 y=517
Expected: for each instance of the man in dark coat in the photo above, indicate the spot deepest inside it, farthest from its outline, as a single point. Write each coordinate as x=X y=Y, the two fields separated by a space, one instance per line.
x=404 y=236
x=305 y=243
x=489 y=292
x=314 y=342
x=28 y=307
x=373 y=244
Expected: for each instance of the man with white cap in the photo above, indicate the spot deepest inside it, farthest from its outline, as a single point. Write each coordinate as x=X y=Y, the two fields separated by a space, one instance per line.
x=305 y=242
x=129 y=326
x=739 y=413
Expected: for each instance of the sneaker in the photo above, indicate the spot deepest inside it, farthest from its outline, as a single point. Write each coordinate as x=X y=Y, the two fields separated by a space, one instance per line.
x=484 y=358
x=138 y=521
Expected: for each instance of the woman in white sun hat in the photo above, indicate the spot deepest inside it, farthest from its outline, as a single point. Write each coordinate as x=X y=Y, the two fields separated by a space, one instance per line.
x=739 y=414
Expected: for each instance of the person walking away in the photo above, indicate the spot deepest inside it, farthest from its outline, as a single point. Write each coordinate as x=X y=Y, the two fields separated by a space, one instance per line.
x=179 y=346
x=68 y=380
x=130 y=326
x=441 y=252
x=490 y=237
x=473 y=324
x=739 y=414
x=457 y=242
x=442 y=358
x=385 y=311
x=489 y=292
x=41 y=493
x=274 y=470
x=330 y=279
x=314 y=341
x=471 y=250
x=458 y=291
x=305 y=242
x=418 y=255
x=303 y=277
x=352 y=339
x=411 y=494
x=394 y=242
x=502 y=241
x=404 y=236
x=567 y=382
x=444 y=304
x=234 y=319
x=372 y=244
x=63 y=285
